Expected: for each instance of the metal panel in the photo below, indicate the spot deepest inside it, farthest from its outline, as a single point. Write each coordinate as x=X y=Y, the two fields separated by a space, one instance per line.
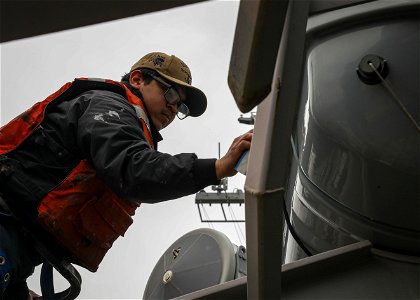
x=352 y=272
x=254 y=52
x=22 y=19
x=355 y=271
x=257 y=37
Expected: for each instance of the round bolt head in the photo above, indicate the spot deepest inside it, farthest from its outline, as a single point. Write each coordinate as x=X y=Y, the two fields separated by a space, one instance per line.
x=167 y=277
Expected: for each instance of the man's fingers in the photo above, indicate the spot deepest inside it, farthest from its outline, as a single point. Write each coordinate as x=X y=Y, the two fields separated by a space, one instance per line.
x=226 y=165
x=244 y=145
x=246 y=136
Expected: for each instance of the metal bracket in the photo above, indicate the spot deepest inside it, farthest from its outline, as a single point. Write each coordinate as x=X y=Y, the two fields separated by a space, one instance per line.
x=220 y=198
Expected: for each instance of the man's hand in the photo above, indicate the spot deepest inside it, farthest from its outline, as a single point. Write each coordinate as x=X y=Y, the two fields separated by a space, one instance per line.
x=225 y=166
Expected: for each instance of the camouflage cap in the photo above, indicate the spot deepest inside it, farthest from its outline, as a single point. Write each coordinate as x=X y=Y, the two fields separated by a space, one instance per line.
x=175 y=70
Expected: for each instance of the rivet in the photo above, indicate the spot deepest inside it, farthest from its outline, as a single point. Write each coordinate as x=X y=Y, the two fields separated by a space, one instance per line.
x=6 y=277
x=167 y=277
x=2 y=260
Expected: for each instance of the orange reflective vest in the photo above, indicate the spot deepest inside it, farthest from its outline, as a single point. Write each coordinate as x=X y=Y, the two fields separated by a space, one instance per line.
x=82 y=213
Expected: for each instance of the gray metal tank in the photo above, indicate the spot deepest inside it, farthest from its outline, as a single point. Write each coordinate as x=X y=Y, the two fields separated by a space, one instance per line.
x=356 y=169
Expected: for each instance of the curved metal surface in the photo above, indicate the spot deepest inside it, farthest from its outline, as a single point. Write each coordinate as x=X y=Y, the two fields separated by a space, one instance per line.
x=355 y=144
x=358 y=153
x=197 y=260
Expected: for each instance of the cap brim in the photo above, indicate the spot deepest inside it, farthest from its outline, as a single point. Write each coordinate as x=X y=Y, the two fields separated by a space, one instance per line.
x=196 y=100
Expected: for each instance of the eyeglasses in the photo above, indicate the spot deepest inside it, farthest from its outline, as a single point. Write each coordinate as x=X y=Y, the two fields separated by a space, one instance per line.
x=172 y=97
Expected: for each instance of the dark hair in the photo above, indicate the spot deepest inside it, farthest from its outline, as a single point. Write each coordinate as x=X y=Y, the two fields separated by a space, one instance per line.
x=144 y=72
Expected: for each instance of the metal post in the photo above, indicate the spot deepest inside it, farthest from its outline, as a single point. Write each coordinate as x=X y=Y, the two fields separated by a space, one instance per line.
x=269 y=163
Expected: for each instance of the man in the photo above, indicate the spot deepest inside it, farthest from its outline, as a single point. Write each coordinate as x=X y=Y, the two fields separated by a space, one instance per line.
x=74 y=167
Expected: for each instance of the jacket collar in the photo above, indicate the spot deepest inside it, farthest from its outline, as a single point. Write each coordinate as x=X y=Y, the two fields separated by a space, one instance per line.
x=157 y=137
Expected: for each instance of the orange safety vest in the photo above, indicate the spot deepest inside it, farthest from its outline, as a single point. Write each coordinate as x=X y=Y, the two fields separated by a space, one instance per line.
x=82 y=213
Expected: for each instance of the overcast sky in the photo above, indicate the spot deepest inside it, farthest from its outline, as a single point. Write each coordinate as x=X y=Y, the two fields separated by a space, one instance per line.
x=201 y=35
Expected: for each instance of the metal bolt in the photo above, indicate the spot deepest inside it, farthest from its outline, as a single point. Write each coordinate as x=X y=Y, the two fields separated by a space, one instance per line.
x=167 y=277
x=2 y=260
x=6 y=277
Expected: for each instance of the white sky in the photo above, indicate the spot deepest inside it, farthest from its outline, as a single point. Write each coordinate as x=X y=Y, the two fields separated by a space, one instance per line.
x=201 y=35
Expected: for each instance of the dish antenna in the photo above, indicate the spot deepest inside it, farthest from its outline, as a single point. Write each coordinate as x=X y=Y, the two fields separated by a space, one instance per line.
x=197 y=260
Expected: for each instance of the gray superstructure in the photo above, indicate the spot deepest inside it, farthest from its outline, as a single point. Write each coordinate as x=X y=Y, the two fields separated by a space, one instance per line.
x=332 y=190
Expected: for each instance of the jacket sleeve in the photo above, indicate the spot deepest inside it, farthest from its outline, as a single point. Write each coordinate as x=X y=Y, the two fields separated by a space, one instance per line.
x=109 y=134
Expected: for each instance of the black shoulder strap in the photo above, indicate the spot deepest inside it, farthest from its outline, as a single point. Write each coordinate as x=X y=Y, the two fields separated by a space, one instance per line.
x=80 y=86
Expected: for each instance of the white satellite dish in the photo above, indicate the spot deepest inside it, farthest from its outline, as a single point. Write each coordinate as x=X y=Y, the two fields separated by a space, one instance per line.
x=199 y=259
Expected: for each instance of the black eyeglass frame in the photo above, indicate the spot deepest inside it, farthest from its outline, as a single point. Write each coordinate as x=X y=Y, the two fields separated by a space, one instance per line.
x=171 y=96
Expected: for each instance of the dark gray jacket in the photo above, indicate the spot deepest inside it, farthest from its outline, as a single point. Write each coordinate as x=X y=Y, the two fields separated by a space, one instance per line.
x=102 y=126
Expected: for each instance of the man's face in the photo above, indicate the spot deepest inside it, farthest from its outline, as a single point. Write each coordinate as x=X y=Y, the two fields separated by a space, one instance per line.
x=161 y=112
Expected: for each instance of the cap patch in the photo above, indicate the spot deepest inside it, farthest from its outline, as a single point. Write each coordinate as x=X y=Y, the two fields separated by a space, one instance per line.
x=158 y=61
